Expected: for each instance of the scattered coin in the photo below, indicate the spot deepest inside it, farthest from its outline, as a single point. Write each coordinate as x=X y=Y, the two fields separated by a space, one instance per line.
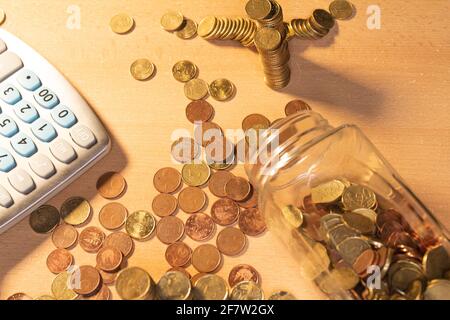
x=243 y=272
x=210 y=287
x=19 y=296
x=142 y=69
x=59 y=260
x=188 y=31
x=246 y=290
x=121 y=23
x=178 y=254
x=86 y=280
x=167 y=180
x=107 y=277
x=120 y=241
x=222 y=89
x=164 y=204
x=185 y=150
x=134 y=283
x=111 y=185
x=170 y=229
x=231 y=241
x=256 y=122
x=196 y=89
x=206 y=258
x=184 y=71
x=102 y=294
x=200 y=227
x=225 y=212
x=199 y=111
x=296 y=106
x=282 y=295
x=341 y=9
x=174 y=285
x=75 y=211
x=172 y=21
x=109 y=259
x=237 y=188
x=251 y=201
x=220 y=150
x=113 y=216
x=60 y=287
x=44 y=219
x=64 y=236
x=218 y=181
x=140 y=224
x=251 y=222
x=191 y=199
x=197 y=276
x=91 y=239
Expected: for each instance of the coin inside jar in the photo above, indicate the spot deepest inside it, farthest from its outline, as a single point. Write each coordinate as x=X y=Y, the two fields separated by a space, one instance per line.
x=91 y=239
x=75 y=211
x=243 y=272
x=164 y=204
x=225 y=212
x=217 y=182
x=113 y=216
x=44 y=219
x=184 y=71
x=59 y=260
x=178 y=254
x=199 y=111
x=109 y=259
x=64 y=236
x=200 y=227
x=170 y=229
x=121 y=241
x=206 y=258
x=191 y=199
x=140 y=224
x=167 y=180
x=111 y=185
x=237 y=188
x=231 y=241
x=85 y=280
x=251 y=222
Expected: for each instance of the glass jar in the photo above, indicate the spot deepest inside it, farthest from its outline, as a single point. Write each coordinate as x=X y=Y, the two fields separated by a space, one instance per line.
x=345 y=213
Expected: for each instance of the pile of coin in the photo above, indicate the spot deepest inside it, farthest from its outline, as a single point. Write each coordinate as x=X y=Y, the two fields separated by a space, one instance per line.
x=315 y=27
x=268 y=13
x=183 y=28
x=224 y=28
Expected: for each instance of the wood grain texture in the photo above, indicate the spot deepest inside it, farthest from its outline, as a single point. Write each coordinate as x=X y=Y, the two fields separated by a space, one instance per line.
x=393 y=83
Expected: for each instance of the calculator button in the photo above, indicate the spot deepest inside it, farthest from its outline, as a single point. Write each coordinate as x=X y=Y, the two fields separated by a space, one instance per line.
x=8 y=126
x=29 y=80
x=43 y=130
x=2 y=46
x=42 y=166
x=7 y=162
x=6 y=200
x=9 y=63
x=83 y=136
x=9 y=94
x=63 y=151
x=46 y=98
x=23 y=145
x=64 y=116
x=26 y=111
x=21 y=181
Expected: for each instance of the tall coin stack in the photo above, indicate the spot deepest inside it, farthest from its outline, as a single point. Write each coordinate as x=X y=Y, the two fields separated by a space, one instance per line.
x=268 y=13
x=223 y=28
x=315 y=27
x=274 y=53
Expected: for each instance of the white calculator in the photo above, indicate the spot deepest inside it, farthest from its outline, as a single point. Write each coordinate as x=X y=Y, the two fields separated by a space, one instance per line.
x=49 y=135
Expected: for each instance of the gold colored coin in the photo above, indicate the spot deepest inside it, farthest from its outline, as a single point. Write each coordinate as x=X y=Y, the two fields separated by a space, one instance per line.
x=341 y=9
x=60 y=287
x=75 y=211
x=210 y=287
x=345 y=277
x=188 y=31
x=221 y=89
x=142 y=69
x=196 y=89
x=172 y=21
x=196 y=174
x=140 y=224
x=356 y=197
x=134 y=283
x=207 y=26
x=327 y=192
x=246 y=290
x=293 y=215
x=184 y=71
x=268 y=39
x=258 y=9
x=2 y=16
x=174 y=285
x=45 y=297
x=121 y=23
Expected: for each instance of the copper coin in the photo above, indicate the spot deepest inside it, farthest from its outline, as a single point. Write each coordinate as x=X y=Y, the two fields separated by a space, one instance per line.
x=111 y=185
x=85 y=280
x=251 y=222
x=218 y=181
x=120 y=241
x=296 y=106
x=191 y=199
x=251 y=201
x=255 y=121
x=199 y=111
x=387 y=216
x=237 y=188
x=64 y=236
x=207 y=132
x=225 y=212
x=182 y=270
x=364 y=260
x=243 y=272
x=91 y=239
x=164 y=204
x=178 y=254
x=206 y=258
x=200 y=227
x=107 y=277
x=221 y=150
x=113 y=216
x=109 y=259
x=102 y=294
x=388 y=229
x=185 y=150
x=19 y=296
x=169 y=229
x=231 y=241
x=167 y=180
x=59 y=260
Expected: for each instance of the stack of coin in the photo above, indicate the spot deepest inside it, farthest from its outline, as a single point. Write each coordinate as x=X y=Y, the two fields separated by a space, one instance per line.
x=315 y=27
x=274 y=53
x=268 y=13
x=182 y=27
x=224 y=28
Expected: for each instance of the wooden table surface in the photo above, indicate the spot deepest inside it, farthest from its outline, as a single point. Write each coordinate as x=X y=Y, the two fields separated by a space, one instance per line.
x=393 y=82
